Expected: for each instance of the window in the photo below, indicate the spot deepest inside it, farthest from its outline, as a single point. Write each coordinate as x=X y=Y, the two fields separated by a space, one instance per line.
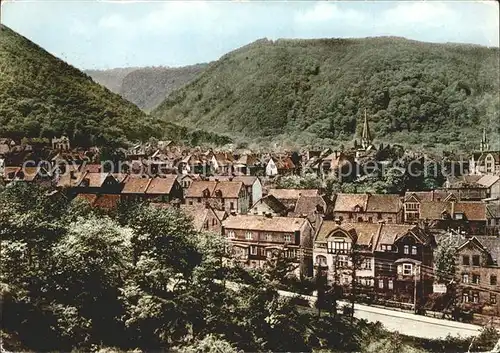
x=230 y=234
x=370 y=219
x=205 y=226
x=291 y=253
x=360 y=219
x=342 y=262
x=465 y=297
x=248 y=236
x=406 y=249
x=407 y=269
x=465 y=278
x=341 y=218
x=475 y=260
x=366 y=264
x=231 y=205
x=288 y=238
x=214 y=221
x=339 y=247
x=386 y=247
x=199 y=199
x=412 y=206
x=390 y=284
x=414 y=250
x=493 y=280
x=379 y=216
x=389 y=219
x=476 y=279
x=493 y=298
x=253 y=250
x=350 y=215
x=381 y=283
x=269 y=237
x=475 y=297
x=191 y=202
x=465 y=260
x=321 y=260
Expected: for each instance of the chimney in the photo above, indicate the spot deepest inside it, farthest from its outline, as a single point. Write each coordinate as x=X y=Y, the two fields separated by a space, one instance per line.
x=453 y=209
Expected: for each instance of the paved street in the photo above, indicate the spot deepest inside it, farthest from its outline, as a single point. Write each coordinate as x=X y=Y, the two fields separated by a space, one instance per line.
x=406 y=323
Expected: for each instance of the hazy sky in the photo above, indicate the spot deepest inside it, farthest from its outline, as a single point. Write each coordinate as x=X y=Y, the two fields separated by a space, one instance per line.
x=99 y=34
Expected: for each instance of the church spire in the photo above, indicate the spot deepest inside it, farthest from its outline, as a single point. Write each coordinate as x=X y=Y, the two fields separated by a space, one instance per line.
x=484 y=142
x=366 y=137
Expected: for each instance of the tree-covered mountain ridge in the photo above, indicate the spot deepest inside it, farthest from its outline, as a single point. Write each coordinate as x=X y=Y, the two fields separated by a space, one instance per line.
x=43 y=96
x=313 y=90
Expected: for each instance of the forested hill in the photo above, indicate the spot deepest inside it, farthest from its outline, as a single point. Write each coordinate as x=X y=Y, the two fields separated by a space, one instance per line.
x=40 y=95
x=146 y=87
x=310 y=90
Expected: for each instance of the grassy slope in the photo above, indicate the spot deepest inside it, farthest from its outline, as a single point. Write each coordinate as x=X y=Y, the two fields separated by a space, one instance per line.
x=316 y=90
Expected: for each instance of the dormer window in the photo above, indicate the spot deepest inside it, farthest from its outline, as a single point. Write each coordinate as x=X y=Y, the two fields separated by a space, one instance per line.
x=206 y=193
x=358 y=208
x=458 y=215
x=386 y=247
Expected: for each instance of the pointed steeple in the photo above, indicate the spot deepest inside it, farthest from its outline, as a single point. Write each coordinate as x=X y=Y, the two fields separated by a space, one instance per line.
x=366 y=137
x=484 y=142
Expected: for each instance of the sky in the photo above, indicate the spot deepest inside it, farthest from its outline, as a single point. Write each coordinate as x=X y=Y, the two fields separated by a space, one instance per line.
x=96 y=34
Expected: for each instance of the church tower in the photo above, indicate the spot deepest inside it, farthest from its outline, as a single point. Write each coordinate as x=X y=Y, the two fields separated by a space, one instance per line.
x=484 y=146
x=366 y=137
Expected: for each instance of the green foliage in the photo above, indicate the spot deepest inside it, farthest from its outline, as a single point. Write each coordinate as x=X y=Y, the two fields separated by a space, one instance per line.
x=42 y=96
x=313 y=91
x=445 y=256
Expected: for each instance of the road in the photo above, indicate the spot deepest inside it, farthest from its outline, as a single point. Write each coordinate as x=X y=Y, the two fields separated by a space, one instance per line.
x=405 y=323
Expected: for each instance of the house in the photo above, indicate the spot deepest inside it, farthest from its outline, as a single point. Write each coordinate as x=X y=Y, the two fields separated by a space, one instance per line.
x=185 y=180
x=339 y=164
x=38 y=175
x=285 y=165
x=204 y=217
x=485 y=161
x=413 y=200
x=134 y=188
x=256 y=239
x=289 y=197
x=247 y=164
x=478 y=260
x=387 y=257
x=164 y=189
x=371 y=208
x=89 y=183
x=230 y=196
x=307 y=205
x=268 y=205
x=469 y=216
x=252 y=184
x=271 y=168
x=222 y=163
x=475 y=187
x=61 y=143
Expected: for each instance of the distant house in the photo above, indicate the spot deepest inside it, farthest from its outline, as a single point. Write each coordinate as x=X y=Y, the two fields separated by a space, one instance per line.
x=478 y=269
x=204 y=217
x=271 y=168
x=222 y=163
x=258 y=239
x=164 y=189
x=252 y=184
x=38 y=175
x=306 y=205
x=289 y=197
x=268 y=205
x=371 y=208
x=106 y=202
x=61 y=143
x=469 y=216
x=230 y=196
x=89 y=183
x=247 y=164
x=413 y=200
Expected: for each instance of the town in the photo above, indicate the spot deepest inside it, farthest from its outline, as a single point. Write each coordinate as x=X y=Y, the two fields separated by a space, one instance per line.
x=383 y=245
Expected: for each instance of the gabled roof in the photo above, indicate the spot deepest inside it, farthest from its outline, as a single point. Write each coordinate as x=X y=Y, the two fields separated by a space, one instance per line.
x=135 y=185
x=273 y=203
x=198 y=213
x=292 y=194
x=228 y=189
x=488 y=180
x=434 y=195
x=161 y=186
x=308 y=204
x=473 y=211
x=96 y=180
x=103 y=201
x=264 y=224
x=363 y=232
x=384 y=203
x=348 y=202
x=198 y=186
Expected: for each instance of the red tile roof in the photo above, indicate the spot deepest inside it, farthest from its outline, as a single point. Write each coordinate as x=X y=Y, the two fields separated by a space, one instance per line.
x=265 y=224
x=135 y=185
x=161 y=186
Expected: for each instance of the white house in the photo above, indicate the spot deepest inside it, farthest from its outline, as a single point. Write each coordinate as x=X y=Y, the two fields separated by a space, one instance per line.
x=271 y=168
